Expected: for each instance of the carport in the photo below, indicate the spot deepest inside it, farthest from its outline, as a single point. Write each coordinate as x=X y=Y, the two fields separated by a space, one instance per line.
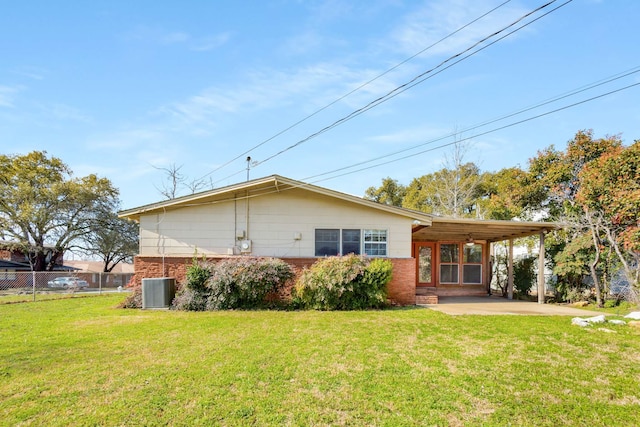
x=462 y=231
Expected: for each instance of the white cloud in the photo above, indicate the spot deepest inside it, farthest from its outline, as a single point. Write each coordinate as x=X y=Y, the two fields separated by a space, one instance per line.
x=207 y=43
x=128 y=139
x=35 y=73
x=438 y=19
x=160 y=36
x=65 y=112
x=7 y=95
x=262 y=90
x=175 y=37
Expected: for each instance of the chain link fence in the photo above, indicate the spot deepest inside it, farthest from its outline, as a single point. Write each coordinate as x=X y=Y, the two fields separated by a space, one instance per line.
x=33 y=285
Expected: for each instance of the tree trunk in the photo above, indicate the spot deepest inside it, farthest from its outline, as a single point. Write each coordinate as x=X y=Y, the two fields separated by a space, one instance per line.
x=592 y=266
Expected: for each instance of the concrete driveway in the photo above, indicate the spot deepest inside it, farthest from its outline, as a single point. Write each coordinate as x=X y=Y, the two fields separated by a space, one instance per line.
x=492 y=305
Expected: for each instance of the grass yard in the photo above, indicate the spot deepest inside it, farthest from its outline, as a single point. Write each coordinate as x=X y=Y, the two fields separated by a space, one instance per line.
x=81 y=361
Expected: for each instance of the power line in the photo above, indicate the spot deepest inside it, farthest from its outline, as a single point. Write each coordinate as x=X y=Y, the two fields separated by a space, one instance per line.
x=573 y=92
x=350 y=93
x=305 y=184
x=425 y=75
x=477 y=135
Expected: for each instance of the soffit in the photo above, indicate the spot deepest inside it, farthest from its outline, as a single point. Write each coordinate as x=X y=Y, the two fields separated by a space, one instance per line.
x=491 y=231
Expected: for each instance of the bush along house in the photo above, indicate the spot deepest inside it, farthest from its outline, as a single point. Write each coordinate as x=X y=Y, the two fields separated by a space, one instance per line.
x=297 y=222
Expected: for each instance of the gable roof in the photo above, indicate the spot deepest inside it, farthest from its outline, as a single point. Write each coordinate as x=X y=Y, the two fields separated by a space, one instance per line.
x=424 y=226
x=263 y=187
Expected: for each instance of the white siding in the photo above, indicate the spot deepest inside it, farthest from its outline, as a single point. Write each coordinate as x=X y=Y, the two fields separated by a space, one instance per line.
x=274 y=219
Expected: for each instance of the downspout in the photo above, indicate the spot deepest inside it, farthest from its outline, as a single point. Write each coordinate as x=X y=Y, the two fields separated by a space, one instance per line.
x=247 y=216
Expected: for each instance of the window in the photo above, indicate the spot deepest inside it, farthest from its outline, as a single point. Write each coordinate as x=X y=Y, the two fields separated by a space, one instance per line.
x=375 y=242
x=327 y=242
x=333 y=241
x=351 y=242
x=472 y=265
x=449 y=263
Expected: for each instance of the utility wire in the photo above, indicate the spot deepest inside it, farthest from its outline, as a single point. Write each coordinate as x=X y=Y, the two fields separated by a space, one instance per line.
x=305 y=184
x=424 y=76
x=488 y=122
x=349 y=93
x=421 y=78
x=480 y=134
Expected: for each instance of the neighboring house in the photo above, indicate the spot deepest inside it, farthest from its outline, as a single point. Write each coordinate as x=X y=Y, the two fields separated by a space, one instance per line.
x=92 y=272
x=9 y=251
x=299 y=223
x=14 y=263
x=9 y=277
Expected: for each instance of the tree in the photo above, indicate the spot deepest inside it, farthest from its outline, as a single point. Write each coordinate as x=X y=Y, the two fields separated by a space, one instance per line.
x=503 y=195
x=113 y=240
x=175 y=181
x=451 y=192
x=610 y=194
x=389 y=193
x=555 y=181
x=44 y=209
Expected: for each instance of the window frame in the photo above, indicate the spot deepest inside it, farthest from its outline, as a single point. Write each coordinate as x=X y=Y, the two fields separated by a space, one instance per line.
x=460 y=263
x=468 y=263
x=372 y=242
x=449 y=263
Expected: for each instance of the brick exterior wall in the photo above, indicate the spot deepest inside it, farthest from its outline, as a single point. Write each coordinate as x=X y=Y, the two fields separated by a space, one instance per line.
x=401 y=288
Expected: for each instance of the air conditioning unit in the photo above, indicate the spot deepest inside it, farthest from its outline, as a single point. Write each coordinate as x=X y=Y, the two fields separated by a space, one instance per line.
x=245 y=246
x=158 y=293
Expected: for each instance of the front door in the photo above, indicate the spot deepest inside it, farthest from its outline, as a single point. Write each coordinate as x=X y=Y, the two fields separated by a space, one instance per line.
x=424 y=259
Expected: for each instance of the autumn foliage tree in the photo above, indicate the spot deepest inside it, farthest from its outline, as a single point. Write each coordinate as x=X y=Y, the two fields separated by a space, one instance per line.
x=592 y=187
x=610 y=194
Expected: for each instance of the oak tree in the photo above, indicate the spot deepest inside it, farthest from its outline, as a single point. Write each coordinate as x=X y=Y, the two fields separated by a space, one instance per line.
x=44 y=209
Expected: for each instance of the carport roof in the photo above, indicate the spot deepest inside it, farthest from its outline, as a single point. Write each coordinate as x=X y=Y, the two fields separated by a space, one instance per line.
x=459 y=229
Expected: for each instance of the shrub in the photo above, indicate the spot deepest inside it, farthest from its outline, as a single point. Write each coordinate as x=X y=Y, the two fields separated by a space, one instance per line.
x=524 y=274
x=190 y=300
x=197 y=275
x=245 y=282
x=343 y=283
x=134 y=299
x=192 y=295
x=233 y=283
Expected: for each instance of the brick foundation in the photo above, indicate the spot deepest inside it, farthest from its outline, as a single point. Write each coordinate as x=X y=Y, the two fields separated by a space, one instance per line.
x=401 y=289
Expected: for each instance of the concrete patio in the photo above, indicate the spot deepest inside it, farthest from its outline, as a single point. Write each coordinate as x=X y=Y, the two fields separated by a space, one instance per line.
x=493 y=305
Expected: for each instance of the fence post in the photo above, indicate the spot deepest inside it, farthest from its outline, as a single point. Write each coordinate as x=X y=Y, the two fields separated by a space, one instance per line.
x=100 y=283
x=33 y=281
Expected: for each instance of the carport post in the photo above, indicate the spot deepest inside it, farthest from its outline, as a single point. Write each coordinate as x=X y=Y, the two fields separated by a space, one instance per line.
x=541 y=289
x=510 y=271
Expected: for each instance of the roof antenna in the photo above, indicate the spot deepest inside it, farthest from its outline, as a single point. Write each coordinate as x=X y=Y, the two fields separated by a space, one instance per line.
x=248 y=166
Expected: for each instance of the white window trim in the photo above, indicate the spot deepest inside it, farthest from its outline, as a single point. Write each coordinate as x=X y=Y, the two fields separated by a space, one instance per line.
x=362 y=240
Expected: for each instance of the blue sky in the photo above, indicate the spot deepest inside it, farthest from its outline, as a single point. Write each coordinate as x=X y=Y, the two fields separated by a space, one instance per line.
x=121 y=88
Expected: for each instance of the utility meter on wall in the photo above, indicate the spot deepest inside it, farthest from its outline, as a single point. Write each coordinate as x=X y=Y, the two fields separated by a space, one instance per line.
x=245 y=246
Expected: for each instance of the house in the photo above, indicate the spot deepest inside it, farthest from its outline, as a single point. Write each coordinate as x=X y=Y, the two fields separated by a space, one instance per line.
x=93 y=273
x=11 y=251
x=298 y=222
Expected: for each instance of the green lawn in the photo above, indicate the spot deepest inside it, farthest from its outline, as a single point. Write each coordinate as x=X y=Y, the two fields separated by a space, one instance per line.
x=81 y=361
